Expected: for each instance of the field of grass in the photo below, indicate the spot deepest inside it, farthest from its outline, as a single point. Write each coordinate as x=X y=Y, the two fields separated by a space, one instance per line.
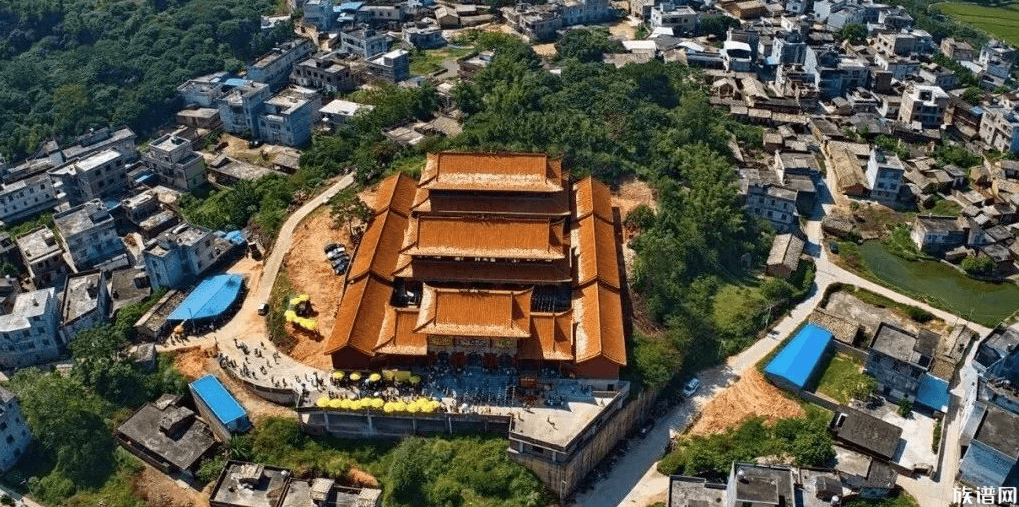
x=1001 y=22
x=430 y=60
x=842 y=379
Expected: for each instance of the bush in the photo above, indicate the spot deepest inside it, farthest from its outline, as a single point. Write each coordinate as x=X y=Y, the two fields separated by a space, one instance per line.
x=6 y=500
x=919 y=314
x=641 y=217
x=936 y=439
x=210 y=468
x=977 y=265
x=905 y=407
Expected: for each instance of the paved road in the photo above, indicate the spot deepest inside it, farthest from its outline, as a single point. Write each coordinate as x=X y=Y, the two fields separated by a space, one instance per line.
x=246 y=326
x=635 y=482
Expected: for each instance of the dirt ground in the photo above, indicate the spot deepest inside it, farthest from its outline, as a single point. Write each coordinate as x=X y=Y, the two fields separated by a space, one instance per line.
x=625 y=27
x=191 y=364
x=159 y=490
x=631 y=193
x=358 y=477
x=263 y=155
x=545 y=50
x=751 y=395
x=311 y=273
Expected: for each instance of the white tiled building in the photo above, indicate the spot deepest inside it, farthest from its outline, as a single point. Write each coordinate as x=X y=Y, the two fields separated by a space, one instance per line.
x=26 y=198
x=28 y=335
x=14 y=433
x=89 y=234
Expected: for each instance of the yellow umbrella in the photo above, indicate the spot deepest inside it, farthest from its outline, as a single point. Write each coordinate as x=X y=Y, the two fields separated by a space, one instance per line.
x=337 y=403
x=356 y=404
x=290 y=315
x=427 y=408
x=346 y=403
x=412 y=408
x=322 y=402
x=355 y=376
x=399 y=406
x=389 y=375
x=377 y=403
x=388 y=408
x=302 y=298
x=338 y=375
x=435 y=405
x=422 y=400
x=374 y=377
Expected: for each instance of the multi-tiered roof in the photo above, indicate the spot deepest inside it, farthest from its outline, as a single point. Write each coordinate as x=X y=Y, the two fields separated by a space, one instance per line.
x=489 y=254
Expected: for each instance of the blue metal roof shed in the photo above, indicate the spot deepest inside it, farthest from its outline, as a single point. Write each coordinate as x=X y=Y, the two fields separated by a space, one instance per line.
x=796 y=362
x=211 y=298
x=224 y=406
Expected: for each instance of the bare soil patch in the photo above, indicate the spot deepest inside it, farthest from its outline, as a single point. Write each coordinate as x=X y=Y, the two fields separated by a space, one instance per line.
x=263 y=155
x=159 y=490
x=360 y=478
x=311 y=273
x=624 y=27
x=191 y=363
x=631 y=193
x=752 y=395
x=545 y=50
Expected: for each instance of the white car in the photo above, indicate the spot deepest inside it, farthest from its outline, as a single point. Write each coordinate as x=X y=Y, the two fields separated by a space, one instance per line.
x=691 y=387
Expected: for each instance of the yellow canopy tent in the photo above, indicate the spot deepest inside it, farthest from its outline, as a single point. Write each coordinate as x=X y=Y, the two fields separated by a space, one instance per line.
x=374 y=377
x=355 y=376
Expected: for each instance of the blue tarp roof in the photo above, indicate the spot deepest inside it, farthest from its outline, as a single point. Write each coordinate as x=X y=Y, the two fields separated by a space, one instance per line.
x=211 y=298
x=797 y=360
x=933 y=393
x=235 y=237
x=222 y=403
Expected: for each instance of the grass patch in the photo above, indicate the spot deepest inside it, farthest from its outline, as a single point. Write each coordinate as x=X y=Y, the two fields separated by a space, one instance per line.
x=945 y=207
x=20 y=228
x=843 y=379
x=1001 y=22
x=901 y=245
x=277 y=323
x=119 y=490
x=936 y=437
x=428 y=61
x=909 y=311
x=898 y=499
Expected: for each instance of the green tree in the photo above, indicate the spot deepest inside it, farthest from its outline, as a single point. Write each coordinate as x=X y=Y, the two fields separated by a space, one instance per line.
x=852 y=32
x=586 y=45
x=977 y=265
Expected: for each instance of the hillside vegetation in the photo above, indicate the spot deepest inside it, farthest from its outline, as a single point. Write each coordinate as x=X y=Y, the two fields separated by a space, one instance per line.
x=75 y=64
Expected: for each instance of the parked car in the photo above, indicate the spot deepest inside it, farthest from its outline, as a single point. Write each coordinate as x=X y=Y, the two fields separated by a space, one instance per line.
x=263 y=309
x=331 y=246
x=691 y=387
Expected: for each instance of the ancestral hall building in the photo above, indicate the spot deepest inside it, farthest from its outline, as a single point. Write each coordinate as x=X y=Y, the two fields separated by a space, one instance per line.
x=490 y=259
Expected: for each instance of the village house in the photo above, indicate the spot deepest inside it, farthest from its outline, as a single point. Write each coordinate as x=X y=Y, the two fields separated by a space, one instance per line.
x=89 y=234
x=97 y=176
x=175 y=162
x=274 y=68
x=28 y=334
x=86 y=303
x=15 y=436
x=44 y=257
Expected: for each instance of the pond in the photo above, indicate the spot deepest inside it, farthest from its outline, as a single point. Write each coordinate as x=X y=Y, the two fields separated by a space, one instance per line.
x=983 y=302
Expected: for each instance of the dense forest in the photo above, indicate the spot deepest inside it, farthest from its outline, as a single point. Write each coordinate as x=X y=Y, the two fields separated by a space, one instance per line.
x=70 y=65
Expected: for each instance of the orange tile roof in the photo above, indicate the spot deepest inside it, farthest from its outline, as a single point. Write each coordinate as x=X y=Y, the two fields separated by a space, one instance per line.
x=492 y=313
x=362 y=310
x=432 y=270
x=597 y=257
x=599 y=313
x=592 y=196
x=398 y=336
x=395 y=192
x=551 y=337
x=380 y=246
x=550 y=204
x=503 y=238
x=492 y=172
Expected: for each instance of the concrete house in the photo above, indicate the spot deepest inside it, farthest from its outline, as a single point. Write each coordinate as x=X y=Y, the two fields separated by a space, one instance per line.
x=997 y=58
x=121 y=140
x=44 y=257
x=898 y=360
x=26 y=198
x=97 y=176
x=240 y=106
x=990 y=450
x=14 y=433
x=393 y=66
x=167 y=435
x=923 y=105
x=884 y=175
x=175 y=162
x=320 y=14
x=681 y=18
x=287 y=117
x=274 y=68
x=937 y=235
x=750 y=485
x=181 y=254
x=999 y=128
x=364 y=42
x=28 y=334
x=326 y=72
x=784 y=258
x=86 y=303
x=89 y=233
x=424 y=37
x=957 y=49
